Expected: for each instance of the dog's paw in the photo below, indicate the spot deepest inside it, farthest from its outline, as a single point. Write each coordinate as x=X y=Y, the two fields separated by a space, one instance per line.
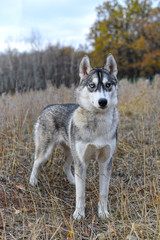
x=33 y=180
x=77 y=215
x=102 y=213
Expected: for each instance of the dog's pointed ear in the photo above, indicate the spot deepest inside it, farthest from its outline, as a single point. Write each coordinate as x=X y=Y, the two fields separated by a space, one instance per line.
x=111 y=65
x=84 y=67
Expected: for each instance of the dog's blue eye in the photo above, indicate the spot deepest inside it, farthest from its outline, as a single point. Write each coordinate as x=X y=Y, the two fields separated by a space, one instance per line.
x=92 y=85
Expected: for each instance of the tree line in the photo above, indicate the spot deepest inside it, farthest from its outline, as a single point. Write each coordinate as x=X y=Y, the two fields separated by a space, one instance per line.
x=130 y=31
x=32 y=70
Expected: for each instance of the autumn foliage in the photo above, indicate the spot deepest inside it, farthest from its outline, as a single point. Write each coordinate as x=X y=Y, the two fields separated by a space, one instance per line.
x=131 y=31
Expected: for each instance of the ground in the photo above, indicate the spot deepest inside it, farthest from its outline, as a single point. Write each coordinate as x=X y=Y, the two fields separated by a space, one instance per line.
x=45 y=212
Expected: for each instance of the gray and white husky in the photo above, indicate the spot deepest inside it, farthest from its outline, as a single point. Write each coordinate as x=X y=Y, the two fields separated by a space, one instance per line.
x=86 y=130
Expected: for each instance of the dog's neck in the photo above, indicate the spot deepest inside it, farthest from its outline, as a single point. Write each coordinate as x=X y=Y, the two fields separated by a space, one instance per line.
x=97 y=112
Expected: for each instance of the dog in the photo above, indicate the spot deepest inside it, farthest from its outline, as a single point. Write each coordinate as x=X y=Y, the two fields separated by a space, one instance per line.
x=86 y=130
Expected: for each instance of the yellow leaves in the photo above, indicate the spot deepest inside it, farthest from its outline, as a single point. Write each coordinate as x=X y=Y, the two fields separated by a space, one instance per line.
x=19 y=211
x=132 y=31
x=158 y=199
x=84 y=232
x=141 y=44
x=19 y=186
x=70 y=233
x=151 y=60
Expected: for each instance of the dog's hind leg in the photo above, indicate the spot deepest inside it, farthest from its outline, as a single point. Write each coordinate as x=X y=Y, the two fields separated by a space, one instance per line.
x=41 y=156
x=68 y=164
x=67 y=169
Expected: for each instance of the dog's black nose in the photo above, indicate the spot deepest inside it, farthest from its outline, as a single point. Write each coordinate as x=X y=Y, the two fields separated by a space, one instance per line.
x=102 y=102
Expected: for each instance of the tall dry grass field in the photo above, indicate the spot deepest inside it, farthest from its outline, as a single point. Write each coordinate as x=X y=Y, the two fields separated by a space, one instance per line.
x=45 y=212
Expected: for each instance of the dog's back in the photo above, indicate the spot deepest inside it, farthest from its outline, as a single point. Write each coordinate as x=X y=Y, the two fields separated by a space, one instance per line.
x=53 y=123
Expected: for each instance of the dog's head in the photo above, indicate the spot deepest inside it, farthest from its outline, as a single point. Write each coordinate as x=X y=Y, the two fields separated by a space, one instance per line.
x=97 y=90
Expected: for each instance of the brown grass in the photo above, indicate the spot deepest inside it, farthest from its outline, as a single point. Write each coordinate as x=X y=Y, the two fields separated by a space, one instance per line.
x=45 y=212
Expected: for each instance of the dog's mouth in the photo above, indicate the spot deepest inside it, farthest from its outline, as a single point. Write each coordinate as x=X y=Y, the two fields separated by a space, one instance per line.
x=102 y=107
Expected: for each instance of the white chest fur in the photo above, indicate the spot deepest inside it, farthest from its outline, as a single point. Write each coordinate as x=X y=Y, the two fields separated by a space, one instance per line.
x=94 y=126
x=95 y=131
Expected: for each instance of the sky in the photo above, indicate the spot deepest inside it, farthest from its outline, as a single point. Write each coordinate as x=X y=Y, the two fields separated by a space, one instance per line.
x=66 y=22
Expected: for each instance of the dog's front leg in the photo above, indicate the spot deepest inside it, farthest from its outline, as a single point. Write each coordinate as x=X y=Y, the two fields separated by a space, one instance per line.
x=105 y=169
x=80 y=179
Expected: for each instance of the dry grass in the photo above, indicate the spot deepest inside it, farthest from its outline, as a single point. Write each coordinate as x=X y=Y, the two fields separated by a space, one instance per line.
x=45 y=211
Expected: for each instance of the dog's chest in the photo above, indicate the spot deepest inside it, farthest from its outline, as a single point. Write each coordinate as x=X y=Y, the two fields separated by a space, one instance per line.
x=94 y=129
x=94 y=133
x=98 y=136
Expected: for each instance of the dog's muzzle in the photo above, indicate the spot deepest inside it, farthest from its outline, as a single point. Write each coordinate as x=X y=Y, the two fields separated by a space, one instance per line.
x=102 y=102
